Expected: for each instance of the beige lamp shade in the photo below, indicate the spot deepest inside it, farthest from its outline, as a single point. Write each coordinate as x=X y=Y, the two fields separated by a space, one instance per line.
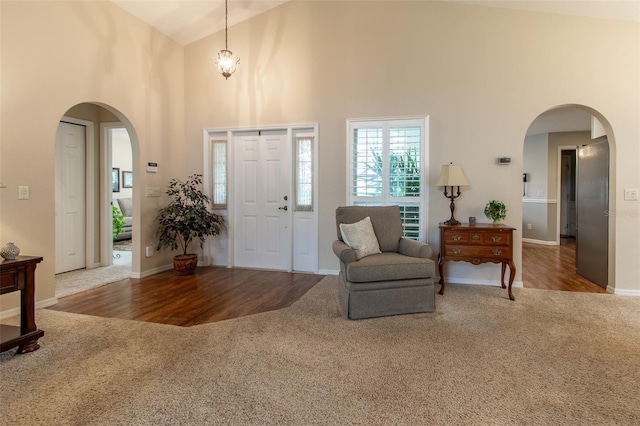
x=452 y=175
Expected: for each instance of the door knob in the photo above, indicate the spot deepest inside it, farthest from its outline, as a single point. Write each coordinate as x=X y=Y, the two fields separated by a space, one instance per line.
x=285 y=208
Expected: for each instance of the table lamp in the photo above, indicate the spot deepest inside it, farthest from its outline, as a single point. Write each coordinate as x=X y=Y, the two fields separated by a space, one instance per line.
x=452 y=175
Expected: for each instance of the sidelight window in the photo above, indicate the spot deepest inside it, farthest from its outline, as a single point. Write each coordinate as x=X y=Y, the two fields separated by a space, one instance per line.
x=219 y=175
x=304 y=173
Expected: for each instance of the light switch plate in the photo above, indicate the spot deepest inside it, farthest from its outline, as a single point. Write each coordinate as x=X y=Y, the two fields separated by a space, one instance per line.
x=631 y=194
x=23 y=193
x=152 y=191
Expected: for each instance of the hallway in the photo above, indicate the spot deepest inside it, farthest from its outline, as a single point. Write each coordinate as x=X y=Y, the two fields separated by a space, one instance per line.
x=553 y=268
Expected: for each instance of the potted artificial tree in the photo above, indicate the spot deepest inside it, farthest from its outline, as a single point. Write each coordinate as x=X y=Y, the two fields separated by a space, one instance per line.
x=185 y=218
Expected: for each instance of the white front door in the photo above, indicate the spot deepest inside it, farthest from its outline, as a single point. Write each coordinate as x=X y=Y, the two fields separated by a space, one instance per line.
x=262 y=175
x=70 y=198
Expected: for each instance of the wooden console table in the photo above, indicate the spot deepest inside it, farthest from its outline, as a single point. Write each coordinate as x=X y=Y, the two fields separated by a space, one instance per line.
x=477 y=243
x=19 y=275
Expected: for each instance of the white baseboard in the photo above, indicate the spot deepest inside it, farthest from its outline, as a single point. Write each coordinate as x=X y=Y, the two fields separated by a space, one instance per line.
x=327 y=272
x=149 y=272
x=16 y=311
x=622 y=292
x=541 y=242
x=46 y=303
x=10 y=313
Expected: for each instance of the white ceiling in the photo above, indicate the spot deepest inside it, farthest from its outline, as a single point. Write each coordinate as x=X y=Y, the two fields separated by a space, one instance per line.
x=626 y=10
x=186 y=21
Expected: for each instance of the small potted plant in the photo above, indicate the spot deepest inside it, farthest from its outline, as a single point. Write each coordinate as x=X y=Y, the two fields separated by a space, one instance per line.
x=185 y=218
x=495 y=210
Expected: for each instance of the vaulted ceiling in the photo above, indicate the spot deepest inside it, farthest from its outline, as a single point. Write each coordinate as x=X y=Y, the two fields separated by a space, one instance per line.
x=186 y=21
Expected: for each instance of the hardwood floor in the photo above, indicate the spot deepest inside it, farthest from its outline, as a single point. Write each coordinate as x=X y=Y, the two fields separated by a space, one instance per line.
x=216 y=294
x=212 y=294
x=553 y=268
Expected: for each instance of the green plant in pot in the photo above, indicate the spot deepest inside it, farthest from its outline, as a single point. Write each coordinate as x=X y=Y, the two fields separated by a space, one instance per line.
x=118 y=221
x=187 y=217
x=496 y=211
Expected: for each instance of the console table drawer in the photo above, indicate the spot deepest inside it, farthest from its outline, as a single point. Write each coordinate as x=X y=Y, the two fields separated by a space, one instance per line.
x=11 y=281
x=470 y=253
x=476 y=238
x=455 y=237
x=497 y=238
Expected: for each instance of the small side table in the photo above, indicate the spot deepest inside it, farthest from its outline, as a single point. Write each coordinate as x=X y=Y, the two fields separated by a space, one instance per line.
x=477 y=243
x=19 y=275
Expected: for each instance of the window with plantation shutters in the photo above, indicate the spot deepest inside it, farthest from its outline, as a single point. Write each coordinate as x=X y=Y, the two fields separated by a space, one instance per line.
x=387 y=166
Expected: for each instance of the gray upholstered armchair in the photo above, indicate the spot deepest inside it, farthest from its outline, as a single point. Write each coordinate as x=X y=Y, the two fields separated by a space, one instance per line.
x=397 y=279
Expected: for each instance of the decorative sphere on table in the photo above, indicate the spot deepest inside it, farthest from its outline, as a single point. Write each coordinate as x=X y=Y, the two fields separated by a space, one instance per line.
x=10 y=251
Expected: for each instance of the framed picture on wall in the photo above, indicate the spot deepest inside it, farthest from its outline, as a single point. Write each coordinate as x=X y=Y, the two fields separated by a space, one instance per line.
x=115 y=179
x=127 y=179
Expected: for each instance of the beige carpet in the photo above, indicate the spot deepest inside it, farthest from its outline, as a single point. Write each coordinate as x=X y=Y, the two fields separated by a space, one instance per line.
x=547 y=358
x=85 y=279
x=122 y=245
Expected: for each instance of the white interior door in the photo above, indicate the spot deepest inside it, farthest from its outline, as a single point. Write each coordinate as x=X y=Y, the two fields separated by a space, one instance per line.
x=262 y=169
x=70 y=198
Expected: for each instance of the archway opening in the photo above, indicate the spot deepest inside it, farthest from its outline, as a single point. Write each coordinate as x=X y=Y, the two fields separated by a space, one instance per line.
x=85 y=192
x=567 y=190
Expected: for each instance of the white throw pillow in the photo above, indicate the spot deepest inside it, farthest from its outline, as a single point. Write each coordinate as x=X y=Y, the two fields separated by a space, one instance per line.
x=361 y=237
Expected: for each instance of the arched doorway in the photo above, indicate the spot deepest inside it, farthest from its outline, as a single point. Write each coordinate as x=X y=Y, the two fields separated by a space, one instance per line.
x=84 y=193
x=566 y=184
x=117 y=157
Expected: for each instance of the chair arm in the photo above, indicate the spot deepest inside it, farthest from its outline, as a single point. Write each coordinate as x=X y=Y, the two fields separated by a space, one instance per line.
x=414 y=248
x=345 y=253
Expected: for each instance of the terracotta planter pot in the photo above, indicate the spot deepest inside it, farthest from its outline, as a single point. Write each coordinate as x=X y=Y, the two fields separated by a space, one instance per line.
x=185 y=264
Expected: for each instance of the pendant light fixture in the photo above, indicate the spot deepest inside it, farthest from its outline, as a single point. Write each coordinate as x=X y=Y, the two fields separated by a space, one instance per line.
x=226 y=62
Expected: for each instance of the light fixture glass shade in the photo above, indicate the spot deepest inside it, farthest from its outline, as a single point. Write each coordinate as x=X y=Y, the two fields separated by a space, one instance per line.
x=452 y=175
x=226 y=63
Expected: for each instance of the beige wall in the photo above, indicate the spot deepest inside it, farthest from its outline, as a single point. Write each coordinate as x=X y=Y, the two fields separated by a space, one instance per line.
x=481 y=74
x=536 y=164
x=59 y=54
x=536 y=204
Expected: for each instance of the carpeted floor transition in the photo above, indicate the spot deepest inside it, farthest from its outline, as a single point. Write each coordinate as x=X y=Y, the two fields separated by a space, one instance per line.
x=548 y=358
x=85 y=279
